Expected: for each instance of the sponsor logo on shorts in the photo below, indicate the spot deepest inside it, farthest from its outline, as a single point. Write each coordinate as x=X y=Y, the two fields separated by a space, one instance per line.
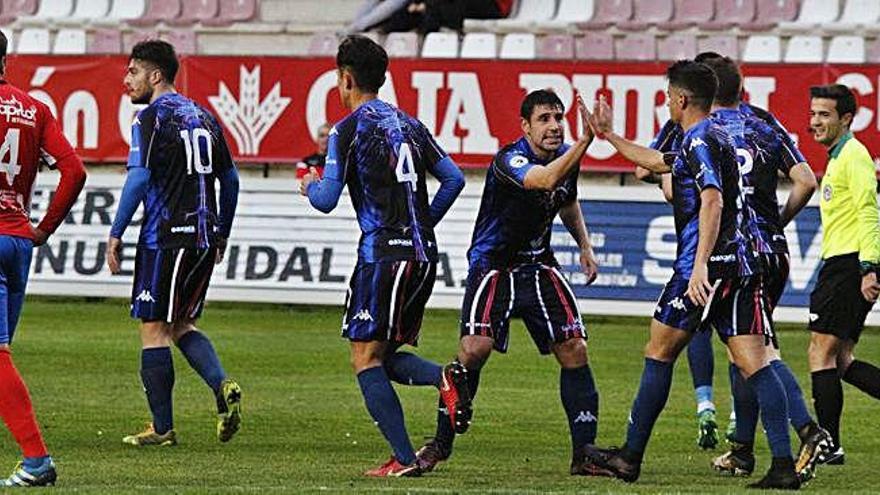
x=677 y=303
x=400 y=242
x=184 y=229
x=363 y=315
x=585 y=417
x=573 y=327
x=145 y=296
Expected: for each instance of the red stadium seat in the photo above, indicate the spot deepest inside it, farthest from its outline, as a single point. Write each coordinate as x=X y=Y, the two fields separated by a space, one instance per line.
x=594 y=46
x=12 y=9
x=730 y=13
x=688 y=13
x=677 y=46
x=608 y=13
x=184 y=40
x=194 y=11
x=639 y=47
x=726 y=45
x=233 y=11
x=105 y=41
x=157 y=10
x=770 y=13
x=872 y=52
x=556 y=47
x=647 y=13
x=133 y=38
x=402 y=45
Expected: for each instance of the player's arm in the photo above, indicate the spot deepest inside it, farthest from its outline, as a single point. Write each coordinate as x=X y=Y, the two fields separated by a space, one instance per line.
x=59 y=154
x=707 y=177
x=650 y=159
x=573 y=219
x=547 y=177
x=863 y=184
x=451 y=183
x=804 y=184
x=228 y=198
x=324 y=192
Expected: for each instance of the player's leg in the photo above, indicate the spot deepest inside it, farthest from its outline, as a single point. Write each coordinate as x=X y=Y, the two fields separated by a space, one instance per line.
x=860 y=374
x=826 y=387
x=740 y=459
x=16 y=409
x=701 y=362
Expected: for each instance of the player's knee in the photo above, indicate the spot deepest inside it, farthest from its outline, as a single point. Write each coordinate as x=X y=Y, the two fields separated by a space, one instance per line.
x=572 y=353
x=823 y=352
x=474 y=350
x=155 y=334
x=844 y=360
x=181 y=328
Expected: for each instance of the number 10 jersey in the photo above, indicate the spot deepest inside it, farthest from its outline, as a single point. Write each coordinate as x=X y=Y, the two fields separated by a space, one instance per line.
x=183 y=147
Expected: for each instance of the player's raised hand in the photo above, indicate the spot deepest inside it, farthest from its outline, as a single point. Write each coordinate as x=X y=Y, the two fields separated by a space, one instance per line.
x=602 y=118
x=114 y=246
x=307 y=179
x=699 y=289
x=589 y=265
x=40 y=237
x=586 y=129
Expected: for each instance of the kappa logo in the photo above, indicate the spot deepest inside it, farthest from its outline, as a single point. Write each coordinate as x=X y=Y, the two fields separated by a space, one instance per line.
x=145 y=296
x=677 y=303
x=363 y=315
x=697 y=142
x=248 y=119
x=585 y=417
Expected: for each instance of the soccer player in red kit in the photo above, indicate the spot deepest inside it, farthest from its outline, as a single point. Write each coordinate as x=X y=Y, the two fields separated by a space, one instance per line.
x=29 y=134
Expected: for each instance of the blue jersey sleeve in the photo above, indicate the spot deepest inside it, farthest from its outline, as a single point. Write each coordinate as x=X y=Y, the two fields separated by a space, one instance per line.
x=791 y=154
x=324 y=194
x=142 y=130
x=700 y=162
x=512 y=166
x=133 y=193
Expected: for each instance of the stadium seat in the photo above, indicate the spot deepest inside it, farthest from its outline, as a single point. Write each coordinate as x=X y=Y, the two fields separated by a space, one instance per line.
x=105 y=41
x=594 y=46
x=135 y=37
x=193 y=11
x=872 y=51
x=813 y=14
x=13 y=9
x=519 y=46
x=804 y=49
x=856 y=14
x=769 y=13
x=156 y=11
x=688 y=13
x=184 y=40
x=640 y=47
x=556 y=47
x=479 y=45
x=122 y=11
x=571 y=12
x=70 y=42
x=86 y=10
x=608 y=13
x=323 y=44
x=677 y=46
x=51 y=10
x=730 y=13
x=846 y=50
x=527 y=14
x=233 y=11
x=726 y=45
x=440 y=45
x=33 y=41
x=647 y=13
x=762 y=48
x=402 y=45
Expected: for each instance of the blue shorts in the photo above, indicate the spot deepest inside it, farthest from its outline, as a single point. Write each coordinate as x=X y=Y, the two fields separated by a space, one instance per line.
x=775 y=269
x=538 y=293
x=738 y=306
x=170 y=284
x=15 y=265
x=386 y=301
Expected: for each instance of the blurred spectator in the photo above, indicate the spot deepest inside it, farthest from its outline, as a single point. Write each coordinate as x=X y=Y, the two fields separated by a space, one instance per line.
x=317 y=159
x=426 y=16
x=375 y=12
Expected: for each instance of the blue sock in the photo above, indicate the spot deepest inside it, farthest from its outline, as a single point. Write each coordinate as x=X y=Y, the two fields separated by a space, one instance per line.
x=774 y=410
x=157 y=375
x=32 y=464
x=198 y=351
x=581 y=403
x=649 y=402
x=745 y=405
x=384 y=407
x=409 y=369
x=797 y=408
x=701 y=362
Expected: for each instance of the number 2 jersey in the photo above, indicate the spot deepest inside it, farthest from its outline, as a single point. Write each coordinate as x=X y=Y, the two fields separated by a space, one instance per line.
x=30 y=134
x=183 y=147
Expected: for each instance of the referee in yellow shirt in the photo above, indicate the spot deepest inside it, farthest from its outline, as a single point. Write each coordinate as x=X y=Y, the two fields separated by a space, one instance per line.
x=847 y=286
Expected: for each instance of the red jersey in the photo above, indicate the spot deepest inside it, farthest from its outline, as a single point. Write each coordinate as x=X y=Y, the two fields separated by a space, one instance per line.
x=29 y=133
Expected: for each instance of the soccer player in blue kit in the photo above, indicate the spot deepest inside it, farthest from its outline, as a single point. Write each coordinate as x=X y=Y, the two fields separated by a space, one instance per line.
x=513 y=271
x=383 y=155
x=716 y=278
x=177 y=153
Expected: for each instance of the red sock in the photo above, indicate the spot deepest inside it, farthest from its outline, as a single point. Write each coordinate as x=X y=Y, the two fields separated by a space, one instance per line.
x=16 y=409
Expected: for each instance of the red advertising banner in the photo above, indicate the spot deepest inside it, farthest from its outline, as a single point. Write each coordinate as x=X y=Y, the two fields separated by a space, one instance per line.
x=271 y=107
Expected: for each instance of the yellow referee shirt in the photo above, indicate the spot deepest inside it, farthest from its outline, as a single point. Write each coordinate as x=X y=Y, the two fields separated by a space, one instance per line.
x=849 y=202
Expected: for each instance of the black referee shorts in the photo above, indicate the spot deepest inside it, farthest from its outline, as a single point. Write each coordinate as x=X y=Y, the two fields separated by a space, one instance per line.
x=837 y=306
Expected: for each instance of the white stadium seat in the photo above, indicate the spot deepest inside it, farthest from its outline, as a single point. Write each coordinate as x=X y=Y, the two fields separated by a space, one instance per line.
x=846 y=50
x=440 y=45
x=762 y=48
x=33 y=41
x=518 y=46
x=90 y=9
x=856 y=13
x=804 y=49
x=70 y=42
x=813 y=14
x=479 y=45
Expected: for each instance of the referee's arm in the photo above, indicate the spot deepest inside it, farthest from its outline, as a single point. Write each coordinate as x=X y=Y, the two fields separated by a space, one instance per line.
x=863 y=184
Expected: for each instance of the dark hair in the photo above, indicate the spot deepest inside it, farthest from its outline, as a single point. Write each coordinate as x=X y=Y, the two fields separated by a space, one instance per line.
x=4 y=44
x=537 y=98
x=159 y=53
x=704 y=57
x=729 y=80
x=844 y=98
x=366 y=60
x=697 y=79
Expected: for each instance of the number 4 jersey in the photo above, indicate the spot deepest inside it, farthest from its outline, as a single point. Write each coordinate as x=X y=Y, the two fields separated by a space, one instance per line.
x=183 y=147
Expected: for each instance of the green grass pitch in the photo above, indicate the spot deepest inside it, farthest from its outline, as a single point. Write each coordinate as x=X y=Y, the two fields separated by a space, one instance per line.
x=306 y=430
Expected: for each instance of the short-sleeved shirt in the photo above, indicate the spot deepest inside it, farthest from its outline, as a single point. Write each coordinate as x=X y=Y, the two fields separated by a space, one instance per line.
x=383 y=156
x=183 y=147
x=514 y=224
x=707 y=159
x=28 y=134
